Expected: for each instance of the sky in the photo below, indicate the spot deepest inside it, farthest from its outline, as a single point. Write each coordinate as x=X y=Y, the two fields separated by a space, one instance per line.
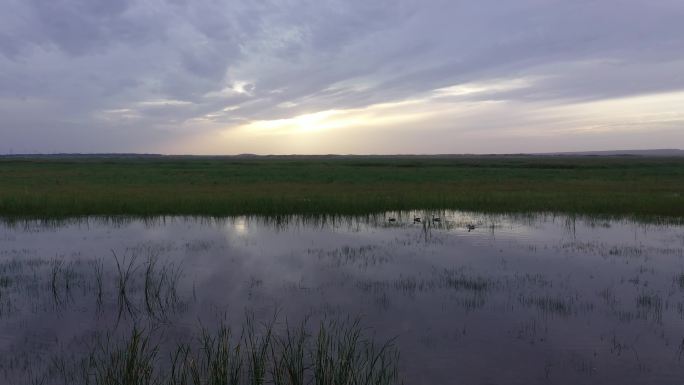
x=340 y=76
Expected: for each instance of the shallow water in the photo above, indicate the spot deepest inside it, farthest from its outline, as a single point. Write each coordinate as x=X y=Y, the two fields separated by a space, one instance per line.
x=530 y=299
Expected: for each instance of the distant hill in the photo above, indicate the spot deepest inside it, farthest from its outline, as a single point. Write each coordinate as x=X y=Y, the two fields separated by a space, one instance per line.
x=656 y=152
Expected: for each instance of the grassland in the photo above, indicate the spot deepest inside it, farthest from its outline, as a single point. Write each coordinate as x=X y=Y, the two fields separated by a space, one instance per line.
x=77 y=186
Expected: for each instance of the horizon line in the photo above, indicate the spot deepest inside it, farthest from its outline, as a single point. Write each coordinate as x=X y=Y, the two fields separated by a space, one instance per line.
x=633 y=152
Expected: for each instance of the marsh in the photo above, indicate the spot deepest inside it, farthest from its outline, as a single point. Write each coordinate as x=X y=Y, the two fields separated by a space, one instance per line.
x=64 y=186
x=518 y=299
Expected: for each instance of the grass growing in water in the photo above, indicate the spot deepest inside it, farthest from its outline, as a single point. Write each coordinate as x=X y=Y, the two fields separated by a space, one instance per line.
x=338 y=353
x=59 y=187
x=550 y=304
x=680 y=280
x=131 y=362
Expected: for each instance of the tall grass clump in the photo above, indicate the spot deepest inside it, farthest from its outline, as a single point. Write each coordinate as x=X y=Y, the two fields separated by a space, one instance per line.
x=129 y=363
x=337 y=353
x=343 y=355
x=160 y=287
x=131 y=360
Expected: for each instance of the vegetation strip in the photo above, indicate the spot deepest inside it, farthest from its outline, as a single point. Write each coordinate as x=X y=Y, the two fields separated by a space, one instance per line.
x=218 y=186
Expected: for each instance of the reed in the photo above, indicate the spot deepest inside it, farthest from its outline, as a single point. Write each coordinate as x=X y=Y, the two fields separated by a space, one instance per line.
x=338 y=353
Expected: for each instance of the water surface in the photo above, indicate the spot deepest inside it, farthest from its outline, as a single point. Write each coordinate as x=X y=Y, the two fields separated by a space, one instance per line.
x=471 y=298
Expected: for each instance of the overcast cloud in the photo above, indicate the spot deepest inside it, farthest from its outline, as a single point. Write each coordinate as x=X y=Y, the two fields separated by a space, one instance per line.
x=326 y=76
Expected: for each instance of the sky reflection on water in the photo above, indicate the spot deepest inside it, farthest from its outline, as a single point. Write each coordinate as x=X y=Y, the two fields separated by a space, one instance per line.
x=516 y=300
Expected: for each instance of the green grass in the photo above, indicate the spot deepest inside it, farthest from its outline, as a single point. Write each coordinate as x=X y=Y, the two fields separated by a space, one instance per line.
x=340 y=352
x=62 y=187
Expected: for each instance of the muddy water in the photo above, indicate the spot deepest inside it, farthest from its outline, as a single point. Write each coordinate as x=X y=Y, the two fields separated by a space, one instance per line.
x=471 y=299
